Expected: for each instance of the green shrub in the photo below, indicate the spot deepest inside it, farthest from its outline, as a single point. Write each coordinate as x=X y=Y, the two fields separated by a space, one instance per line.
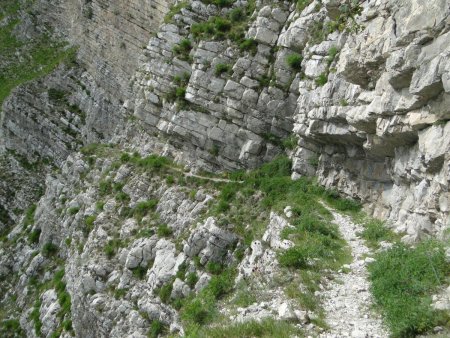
x=105 y=187
x=202 y=29
x=153 y=162
x=403 y=280
x=165 y=292
x=73 y=211
x=49 y=249
x=222 y=68
x=322 y=79
x=222 y=25
x=122 y=197
x=164 y=230
x=33 y=237
x=236 y=15
x=249 y=45
x=214 y=268
x=11 y=328
x=302 y=4
x=35 y=317
x=221 y=284
x=125 y=157
x=170 y=180
x=199 y=310
x=182 y=49
x=29 y=215
x=174 y=10
x=294 y=61
x=332 y=52
x=191 y=279
x=89 y=223
x=341 y=204
x=375 y=231
x=143 y=208
x=157 y=328
x=56 y=95
x=290 y=142
x=111 y=247
x=265 y=328
x=139 y=272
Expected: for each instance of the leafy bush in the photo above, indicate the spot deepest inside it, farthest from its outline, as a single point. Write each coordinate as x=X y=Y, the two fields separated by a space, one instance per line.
x=290 y=142
x=29 y=215
x=33 y=237
x=322 y=79
x=302 y=4
x=199 y=310
x=191 y=279
x=221 y=284
x=105 y=187
x=236 y=14
x=143 y=208
x=294 y=61
x=375 y=231
x=72 y=211
x=165 y=292
x=265 y=328
x=89 y=223
x=164 y=230
x=182 y=49
x=214 y=268
x=403 y=280
x=156 y=329
x=221 y=68
x=139 y=272
x=49 y=249
x=11 y=328
x=111 y=247
x=341 y=204
x=249 y=45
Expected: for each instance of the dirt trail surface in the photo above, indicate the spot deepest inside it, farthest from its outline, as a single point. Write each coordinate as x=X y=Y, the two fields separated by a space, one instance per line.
x=347 y=300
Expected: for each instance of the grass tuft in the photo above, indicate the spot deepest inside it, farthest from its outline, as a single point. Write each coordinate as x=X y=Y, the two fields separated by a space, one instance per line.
x=403 y=280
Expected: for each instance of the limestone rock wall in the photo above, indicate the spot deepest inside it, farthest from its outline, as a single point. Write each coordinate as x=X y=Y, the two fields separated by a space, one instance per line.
x=378 y=129
x=369 y=104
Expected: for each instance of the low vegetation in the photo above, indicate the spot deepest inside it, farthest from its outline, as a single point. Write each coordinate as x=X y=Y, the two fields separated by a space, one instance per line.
x=23 y=61
x=403 y=280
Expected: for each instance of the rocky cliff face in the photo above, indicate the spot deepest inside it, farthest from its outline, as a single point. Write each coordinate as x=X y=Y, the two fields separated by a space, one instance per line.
x=357 y=93
x=367 y=96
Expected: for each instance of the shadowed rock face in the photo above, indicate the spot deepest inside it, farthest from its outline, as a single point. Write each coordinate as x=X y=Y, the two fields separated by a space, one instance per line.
x=369 y=105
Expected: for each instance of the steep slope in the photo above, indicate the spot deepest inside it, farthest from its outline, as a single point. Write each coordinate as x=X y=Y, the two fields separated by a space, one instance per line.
x=119 y=242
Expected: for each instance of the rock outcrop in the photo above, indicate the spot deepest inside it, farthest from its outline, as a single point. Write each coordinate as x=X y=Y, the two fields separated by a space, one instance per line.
x=357 y=93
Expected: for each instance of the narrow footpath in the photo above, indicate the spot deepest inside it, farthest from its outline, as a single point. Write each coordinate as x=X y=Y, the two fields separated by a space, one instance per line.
x=347 y=300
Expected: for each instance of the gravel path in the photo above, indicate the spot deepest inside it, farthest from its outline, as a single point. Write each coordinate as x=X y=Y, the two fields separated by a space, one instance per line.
x=347 y=299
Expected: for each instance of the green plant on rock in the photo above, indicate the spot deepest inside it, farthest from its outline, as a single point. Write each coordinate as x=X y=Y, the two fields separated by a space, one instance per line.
x=249 y=45
x=174 y=10
x=237 y=15
x=183 y=49
x=322 y=79
x=403 y=280
x=302 y=4
x=144 y=207
x=11 y=328
x=222 y=68
x=112 y=247
x=89 y=223
x=164 y=230
x=157 y=328
x=49 y=249
x=332 y=52
x=33 y=237
x=191 y=279
x=294 y=61
x=29 y=216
